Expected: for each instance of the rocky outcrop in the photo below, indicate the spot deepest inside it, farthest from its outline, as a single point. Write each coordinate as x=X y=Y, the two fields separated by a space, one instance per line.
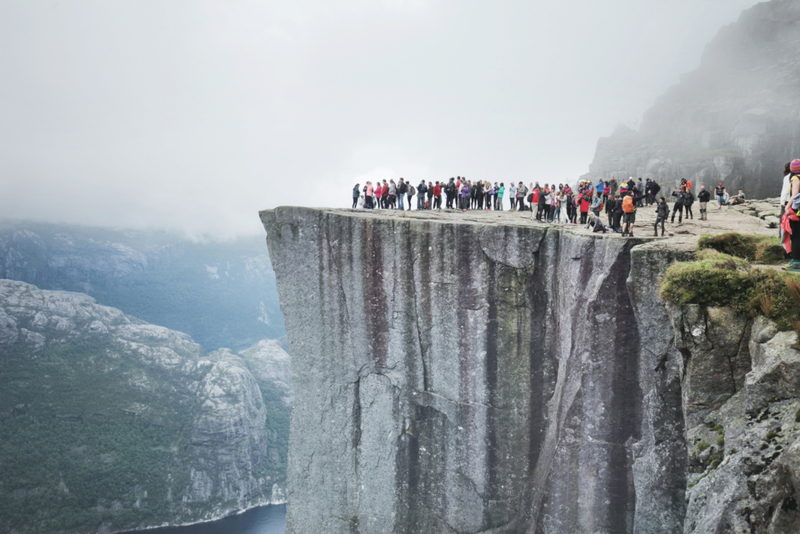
x=477 y=373
x=736 y=119
x=107 y=420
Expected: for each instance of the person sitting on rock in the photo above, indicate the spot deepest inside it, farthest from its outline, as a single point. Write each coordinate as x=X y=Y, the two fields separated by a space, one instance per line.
x=737 y=199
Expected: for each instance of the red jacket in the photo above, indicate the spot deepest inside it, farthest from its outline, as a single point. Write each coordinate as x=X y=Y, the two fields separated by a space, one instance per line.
x=584 y=203
x=535 y=197
x=437 y=190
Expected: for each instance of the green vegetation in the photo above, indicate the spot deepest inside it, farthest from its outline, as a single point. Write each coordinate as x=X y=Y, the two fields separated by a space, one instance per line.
x=718 y=279
x=703 y=445
x=756 y=248
x=91 y=432
x=71 y=447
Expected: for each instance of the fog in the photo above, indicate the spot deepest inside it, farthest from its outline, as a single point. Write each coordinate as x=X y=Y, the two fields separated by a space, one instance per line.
x=195 y=115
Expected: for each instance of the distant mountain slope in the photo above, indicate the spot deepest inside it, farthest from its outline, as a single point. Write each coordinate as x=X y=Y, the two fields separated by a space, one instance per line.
x=109 y=423
x=223 y=294
x=736 y=119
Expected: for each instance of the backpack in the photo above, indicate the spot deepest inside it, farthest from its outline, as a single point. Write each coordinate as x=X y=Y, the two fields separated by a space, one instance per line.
x=411 y=190
x=450 y=188
x=627 y=204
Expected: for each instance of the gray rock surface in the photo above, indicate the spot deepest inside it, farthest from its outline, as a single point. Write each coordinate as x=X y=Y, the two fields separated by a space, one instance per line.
x=733 y=120
x=480 y=373
x=180 y=434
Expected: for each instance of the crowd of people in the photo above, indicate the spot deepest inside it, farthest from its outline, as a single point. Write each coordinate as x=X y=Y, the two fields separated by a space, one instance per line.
x=561 y=204
x=551 y=203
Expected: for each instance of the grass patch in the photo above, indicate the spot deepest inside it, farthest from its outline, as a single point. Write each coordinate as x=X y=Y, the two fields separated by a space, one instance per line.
x=756 y=248
x=721 y=280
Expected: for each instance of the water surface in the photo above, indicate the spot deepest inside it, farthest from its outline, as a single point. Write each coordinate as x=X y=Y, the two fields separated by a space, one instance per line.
x=262 y=520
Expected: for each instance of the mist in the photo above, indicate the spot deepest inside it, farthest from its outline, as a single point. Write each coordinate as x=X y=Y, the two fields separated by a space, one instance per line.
x=194 y=115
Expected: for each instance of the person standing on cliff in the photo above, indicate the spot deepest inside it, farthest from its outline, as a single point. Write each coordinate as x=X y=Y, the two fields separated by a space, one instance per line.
x=501 y=191
x=422 y=188
x=628 y=214
x=678 y=206
x=356 y=194
x=785 y=189
x=450 y=192
x=521 y=192
x=464 y=196
x=392 y=202
x=402 y=189
x=411 y=192
x=688 y=200
x=437 y=196
x=792 y=217
x=719 y=192
x=703 y=197
x=662 y=213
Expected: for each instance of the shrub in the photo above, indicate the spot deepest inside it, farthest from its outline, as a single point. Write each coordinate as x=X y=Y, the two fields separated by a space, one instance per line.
x=758 y=248
x=721 y=280
x=703 y=445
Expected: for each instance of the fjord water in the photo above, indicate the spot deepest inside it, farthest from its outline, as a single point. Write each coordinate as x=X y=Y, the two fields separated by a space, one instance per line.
x=261 y=520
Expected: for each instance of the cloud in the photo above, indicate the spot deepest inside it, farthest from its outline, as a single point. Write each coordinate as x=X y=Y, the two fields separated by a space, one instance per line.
x=196 y=114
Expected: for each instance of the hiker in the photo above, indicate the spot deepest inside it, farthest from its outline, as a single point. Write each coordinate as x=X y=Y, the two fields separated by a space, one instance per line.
x=662 y=212
x=791 y=218
x=437 y=196
x=688 y=200
x=616 y=213
x=464 y=196
x=785 y=190
x=583 y=203
x=501 y=191
x=595 y=224
x=369 y=191
x=737 y=199
x=402 y=189
x=356 y=194
x=392 y=203
x=422 y=188
x=512 y=196
x=411 y=192
x=719 y=192
x=628 y=215
x=703 y=197
x=678 y=206
x=521 y=192
x=597 y=203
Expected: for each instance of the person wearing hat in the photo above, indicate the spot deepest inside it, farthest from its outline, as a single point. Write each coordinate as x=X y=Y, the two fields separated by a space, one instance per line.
x=792 y=209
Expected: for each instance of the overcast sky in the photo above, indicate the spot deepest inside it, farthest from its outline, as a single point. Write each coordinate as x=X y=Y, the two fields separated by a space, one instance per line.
x=197 y=114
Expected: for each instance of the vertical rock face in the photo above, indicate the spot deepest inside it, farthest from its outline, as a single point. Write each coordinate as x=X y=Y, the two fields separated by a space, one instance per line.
x=470 y=376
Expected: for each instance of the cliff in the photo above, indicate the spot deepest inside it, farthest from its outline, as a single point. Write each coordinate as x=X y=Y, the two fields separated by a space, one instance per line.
x=110 y=423
x=481 y=373
x=736 y=119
